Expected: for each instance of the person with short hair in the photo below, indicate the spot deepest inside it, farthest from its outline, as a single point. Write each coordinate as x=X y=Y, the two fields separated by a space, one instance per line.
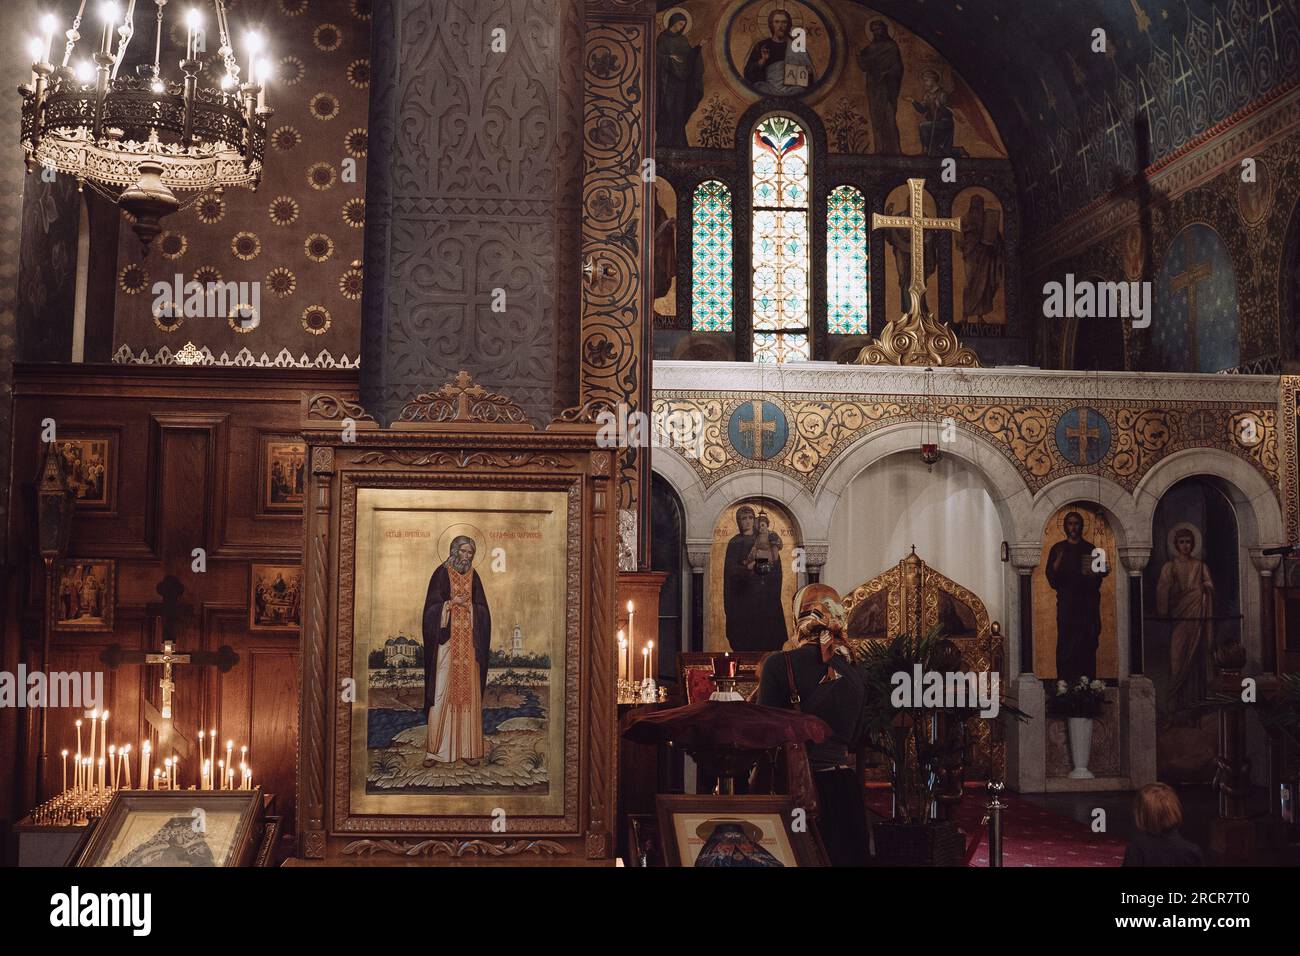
x=1158 y=813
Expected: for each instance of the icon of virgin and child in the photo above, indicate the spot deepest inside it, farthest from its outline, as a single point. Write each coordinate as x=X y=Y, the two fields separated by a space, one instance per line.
x=751 y=586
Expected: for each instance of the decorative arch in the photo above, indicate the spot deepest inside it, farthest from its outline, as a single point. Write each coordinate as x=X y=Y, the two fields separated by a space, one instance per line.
x=1008 y=490
x=1259 y=513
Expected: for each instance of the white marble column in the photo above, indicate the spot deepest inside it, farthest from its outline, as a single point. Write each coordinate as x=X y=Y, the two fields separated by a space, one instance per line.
x=1026 y=740
x=1137 y=695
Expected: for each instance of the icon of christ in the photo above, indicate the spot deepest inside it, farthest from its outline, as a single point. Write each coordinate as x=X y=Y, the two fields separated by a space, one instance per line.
x=457 y=635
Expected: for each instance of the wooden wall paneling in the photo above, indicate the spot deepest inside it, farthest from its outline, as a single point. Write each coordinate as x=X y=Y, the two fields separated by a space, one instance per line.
x=244 y=528
x=189 y=446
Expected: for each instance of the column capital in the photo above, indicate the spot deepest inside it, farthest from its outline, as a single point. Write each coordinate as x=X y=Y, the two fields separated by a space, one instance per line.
x=1264 y=563
x=1135 y=559
x=697 y=553
x=815 y=555
x=1025 y=557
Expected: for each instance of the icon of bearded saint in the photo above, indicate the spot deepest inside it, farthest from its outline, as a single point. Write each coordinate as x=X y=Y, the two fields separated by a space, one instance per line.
x=457 y=629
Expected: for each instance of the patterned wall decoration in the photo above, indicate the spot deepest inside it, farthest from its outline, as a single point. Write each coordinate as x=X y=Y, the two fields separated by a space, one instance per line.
x=299 y=234
x=1116 y=242
x=1195 y=325
x=616 y=230
x=473 y=206
x=1026 y=431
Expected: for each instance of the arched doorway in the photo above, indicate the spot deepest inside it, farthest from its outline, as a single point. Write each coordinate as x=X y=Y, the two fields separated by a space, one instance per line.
x=668 y=554
x=1191 y=603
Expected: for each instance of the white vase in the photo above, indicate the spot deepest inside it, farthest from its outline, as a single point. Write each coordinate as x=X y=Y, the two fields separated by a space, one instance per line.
x=1080 y=733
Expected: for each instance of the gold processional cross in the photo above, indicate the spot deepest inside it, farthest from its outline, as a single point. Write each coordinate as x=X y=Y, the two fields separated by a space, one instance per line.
x=916 y=338
x=916 y=222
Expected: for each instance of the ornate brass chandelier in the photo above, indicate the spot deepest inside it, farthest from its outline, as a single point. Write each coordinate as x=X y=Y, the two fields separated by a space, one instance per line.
x=140 y=138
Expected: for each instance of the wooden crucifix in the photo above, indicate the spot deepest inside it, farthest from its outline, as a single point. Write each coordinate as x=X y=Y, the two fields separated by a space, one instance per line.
x=166 y=616
x=916 y=222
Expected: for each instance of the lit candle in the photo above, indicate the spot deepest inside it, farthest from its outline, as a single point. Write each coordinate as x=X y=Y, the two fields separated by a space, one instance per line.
x=645 y=662
x=101 y=774
x=156 y=774
x=108 y=10
x=230 y=746
x=263 y=77
x=631 y=644
x=78 y=723
x=221 y=774
x=167 y=772
x=65 y=770
x=112 y=766
x=207 y=776
x=146 y=749
x=650 y=646
x=622 y=656
x=87 y=776
x=201 y=765
x=243 y=755
x=212 y=747
x=176 y=764
x=192 y=21
x=94 y=723
x=49 y=24
x=254 y=43
x=126 y=765
x=37 y=49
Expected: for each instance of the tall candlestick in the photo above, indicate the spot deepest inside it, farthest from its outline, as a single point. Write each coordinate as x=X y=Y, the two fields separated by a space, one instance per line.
x=645 y=662
x=94 y=725
x=65 y=770
x=145 y=750
x=651 y=648
x=112 y=766
x=230 y=745
x=631 y=643
x=101 y=774
x=103 y=736
x=622 y=656
x=78 y=723
x=76 y=771
x=207 y=775
x=212 y=748
x=156 y=774
x=87 y=775
x=201 y=771
x=221 y=775
x=126 y=765
x=171 y=783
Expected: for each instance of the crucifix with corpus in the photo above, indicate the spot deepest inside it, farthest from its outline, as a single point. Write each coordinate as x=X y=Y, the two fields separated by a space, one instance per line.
x=167 y=616
x=916 y=338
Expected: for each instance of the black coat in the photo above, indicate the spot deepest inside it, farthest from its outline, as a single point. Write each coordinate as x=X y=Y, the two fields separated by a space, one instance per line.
x=1169 y=849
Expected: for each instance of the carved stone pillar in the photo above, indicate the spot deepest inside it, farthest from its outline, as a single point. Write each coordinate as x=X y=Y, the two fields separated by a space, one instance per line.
x=1266 y=565
x=697 y=553
x=472 y=202
x=1026 y=740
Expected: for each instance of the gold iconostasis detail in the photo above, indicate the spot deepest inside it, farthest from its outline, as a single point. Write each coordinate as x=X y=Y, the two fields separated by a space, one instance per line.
x=1131 y=438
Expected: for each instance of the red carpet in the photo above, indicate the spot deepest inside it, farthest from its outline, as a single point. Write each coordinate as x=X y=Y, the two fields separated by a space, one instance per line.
x=1031 y=836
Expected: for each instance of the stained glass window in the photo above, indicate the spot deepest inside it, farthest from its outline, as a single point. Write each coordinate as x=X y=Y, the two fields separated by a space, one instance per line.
x=780 y=240
x=848 y=293
x=711 y=291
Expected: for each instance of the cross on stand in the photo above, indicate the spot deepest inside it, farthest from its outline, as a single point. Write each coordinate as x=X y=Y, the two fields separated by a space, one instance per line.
x=1187 y=282
x=1083 y=434
x=166 y=616
x=916 y=222
x=757 y=428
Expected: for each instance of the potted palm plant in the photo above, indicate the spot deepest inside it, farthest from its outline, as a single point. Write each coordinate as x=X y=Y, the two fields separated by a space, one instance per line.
x=916 y=742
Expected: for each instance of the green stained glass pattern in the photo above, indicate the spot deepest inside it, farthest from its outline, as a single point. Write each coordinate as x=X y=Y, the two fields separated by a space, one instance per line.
x=780 y=261
x=848 y=269
x=777 y=347
x=711 y=305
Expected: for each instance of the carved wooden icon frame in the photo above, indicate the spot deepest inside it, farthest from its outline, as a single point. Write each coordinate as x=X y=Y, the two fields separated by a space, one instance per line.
x=465 y=440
